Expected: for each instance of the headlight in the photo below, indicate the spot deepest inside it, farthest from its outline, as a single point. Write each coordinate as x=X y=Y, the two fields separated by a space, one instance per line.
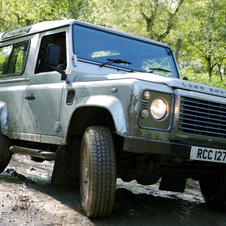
x=159 y=108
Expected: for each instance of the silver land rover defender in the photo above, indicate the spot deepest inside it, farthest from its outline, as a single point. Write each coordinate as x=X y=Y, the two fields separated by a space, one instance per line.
x=104 y=105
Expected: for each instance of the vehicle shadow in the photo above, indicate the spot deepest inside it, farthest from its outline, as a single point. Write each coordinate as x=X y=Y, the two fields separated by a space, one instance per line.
x=157 y=208
x=140 y=209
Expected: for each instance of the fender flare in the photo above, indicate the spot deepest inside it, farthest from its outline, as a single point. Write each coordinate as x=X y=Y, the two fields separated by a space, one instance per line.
x=113 y=105
x=4 y=118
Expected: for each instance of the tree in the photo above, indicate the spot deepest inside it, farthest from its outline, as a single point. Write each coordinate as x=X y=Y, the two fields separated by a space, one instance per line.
x=152 y=19
x=14 y=13
x=159 y=17
x=207 y=32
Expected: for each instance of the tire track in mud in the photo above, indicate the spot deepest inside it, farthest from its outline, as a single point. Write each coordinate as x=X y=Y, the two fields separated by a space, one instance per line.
x=31 y=200
x=33 y=204
x=27 y=198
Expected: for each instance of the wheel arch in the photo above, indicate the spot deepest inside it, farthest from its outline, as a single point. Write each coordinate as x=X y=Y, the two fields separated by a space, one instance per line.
x=98 y=111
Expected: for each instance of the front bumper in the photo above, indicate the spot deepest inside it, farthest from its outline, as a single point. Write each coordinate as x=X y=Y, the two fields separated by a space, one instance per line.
x=141 y=146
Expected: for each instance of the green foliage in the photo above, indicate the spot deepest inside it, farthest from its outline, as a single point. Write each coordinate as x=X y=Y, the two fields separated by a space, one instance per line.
x=151 y=19
x=203 y=78
x=14 y=14
x=205 y=33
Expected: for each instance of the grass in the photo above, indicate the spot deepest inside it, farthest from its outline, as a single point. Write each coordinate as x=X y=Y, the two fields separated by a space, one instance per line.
x=41 y=182
x=6 y=177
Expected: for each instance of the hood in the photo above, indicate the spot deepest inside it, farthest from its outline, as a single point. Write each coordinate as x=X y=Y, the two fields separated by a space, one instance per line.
x=149 y=77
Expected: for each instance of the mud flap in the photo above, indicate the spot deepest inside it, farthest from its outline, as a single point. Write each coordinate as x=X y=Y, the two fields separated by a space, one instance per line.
x=173 y=183
x=66 y=167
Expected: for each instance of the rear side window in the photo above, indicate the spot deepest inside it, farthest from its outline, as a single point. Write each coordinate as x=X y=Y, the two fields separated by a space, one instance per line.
x=13 y=58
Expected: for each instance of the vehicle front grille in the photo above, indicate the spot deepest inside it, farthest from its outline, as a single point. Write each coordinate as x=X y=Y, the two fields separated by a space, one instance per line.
x=202 y=118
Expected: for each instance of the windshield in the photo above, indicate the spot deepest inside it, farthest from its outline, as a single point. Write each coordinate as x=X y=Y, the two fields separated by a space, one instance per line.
x=108 y=49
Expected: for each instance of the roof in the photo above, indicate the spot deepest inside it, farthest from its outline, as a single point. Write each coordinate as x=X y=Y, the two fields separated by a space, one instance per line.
x=49 y=25
x=39 y=27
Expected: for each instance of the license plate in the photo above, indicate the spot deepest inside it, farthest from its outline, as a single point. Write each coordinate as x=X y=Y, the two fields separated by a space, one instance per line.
x=208 y=154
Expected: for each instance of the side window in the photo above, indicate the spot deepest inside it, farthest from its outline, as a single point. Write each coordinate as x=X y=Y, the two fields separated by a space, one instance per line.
x=13 y=58
x=57 y=39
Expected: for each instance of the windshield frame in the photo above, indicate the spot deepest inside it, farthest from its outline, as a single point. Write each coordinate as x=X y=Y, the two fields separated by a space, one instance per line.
x=125 y=36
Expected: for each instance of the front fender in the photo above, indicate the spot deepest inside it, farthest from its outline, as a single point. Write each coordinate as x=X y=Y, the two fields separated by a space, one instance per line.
x=113 y=105
x=4 y=118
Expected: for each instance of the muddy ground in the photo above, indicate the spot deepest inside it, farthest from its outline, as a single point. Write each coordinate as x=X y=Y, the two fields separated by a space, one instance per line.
x=27 y=198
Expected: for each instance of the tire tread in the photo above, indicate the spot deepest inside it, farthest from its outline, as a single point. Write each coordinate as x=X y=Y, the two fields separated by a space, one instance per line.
x=103 y=175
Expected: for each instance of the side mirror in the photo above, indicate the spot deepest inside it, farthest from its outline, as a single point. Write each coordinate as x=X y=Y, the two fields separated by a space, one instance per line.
x=185 y=78
x=53 y=55
x=53 y=58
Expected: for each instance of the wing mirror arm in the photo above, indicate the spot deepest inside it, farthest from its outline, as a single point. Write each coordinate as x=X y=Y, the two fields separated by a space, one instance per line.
x=53 y=58
x=64 y=76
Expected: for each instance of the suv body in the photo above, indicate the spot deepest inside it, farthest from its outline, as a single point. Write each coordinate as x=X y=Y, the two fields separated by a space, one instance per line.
x=118 y=110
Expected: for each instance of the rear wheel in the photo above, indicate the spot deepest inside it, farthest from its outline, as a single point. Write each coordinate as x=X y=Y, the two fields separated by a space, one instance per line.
x=5 y=154
x=214 y=190
x=97 y=172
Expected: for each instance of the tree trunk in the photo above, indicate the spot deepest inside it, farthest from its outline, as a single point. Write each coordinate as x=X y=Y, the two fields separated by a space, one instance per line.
x=179 y=40
x=28 y=22
x=210 y=71
x=219 y=71
x=209 y=66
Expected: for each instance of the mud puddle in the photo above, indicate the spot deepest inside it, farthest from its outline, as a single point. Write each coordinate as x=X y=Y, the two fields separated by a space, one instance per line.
x=27 y=198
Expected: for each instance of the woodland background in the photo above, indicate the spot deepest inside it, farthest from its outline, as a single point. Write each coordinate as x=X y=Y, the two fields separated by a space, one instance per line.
x=195 y=29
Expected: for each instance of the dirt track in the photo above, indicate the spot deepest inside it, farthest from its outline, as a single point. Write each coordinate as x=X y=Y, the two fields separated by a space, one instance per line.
x=27 y=198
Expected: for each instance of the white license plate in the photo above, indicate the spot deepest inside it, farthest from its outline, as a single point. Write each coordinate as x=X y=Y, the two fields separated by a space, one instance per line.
x=208 y=154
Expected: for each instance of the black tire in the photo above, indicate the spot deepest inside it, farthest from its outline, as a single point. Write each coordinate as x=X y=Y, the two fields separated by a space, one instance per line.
x=5 y=154
x=97 y=172
x=214 y=190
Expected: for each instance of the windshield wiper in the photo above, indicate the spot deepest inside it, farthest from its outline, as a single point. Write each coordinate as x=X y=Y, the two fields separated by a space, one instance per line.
x=117 y=61
x=158 y=69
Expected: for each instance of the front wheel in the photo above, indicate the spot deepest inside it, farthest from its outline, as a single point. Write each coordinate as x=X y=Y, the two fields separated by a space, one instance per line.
x=214 y=190
x=97 y=172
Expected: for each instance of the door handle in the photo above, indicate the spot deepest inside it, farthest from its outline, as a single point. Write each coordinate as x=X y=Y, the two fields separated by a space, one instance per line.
x=30 y=98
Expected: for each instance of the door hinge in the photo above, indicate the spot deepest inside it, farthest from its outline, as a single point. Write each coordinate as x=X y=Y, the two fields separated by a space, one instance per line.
x=57 y=126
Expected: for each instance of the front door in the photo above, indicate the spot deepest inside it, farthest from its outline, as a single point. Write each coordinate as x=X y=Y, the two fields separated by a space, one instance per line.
x=43 y=96
x=42 y=105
